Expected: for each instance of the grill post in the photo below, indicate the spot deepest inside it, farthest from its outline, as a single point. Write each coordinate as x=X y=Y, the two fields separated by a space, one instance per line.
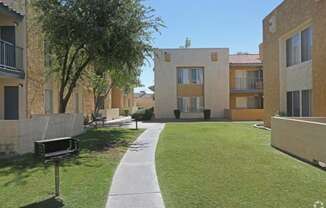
x=57 y=177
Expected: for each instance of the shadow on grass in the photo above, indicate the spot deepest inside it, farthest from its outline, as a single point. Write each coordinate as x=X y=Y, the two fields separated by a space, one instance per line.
x=94 y=140
x=48 y=203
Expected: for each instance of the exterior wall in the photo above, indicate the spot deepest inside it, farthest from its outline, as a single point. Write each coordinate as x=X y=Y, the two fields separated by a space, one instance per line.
x=287 y=18
x=234 y=69
x=17 y=137
x=234 y=96
x=111 y=114
x=20 y=38
x=319 y=63
x=144 y=102
x=302 y=137
x=123 y=101
x=190 y=90
x=216 y=80
x=37 y=81
x=246 y=114
x=117 y=98
x=13 y=82
x=294 y=78
x=243 y=114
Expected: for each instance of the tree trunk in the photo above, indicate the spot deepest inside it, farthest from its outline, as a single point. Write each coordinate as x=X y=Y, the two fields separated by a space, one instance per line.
x=62 y=105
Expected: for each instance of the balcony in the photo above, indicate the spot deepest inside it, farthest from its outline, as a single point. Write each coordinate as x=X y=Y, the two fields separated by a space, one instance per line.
x=11 y=60
x=247 y=85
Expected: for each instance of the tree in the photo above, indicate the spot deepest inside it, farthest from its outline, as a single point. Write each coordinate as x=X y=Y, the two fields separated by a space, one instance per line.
x=103 y=81
x=81 y=32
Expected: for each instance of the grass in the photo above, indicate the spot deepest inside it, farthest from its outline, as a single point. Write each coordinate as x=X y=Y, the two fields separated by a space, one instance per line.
x=232 y=165
x=85 y=180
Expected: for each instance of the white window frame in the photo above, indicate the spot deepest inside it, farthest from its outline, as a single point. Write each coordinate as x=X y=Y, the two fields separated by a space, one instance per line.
x=186 y=104
x=186 y=75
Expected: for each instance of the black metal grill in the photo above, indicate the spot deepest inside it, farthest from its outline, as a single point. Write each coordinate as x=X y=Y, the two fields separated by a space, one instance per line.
x=53 y=148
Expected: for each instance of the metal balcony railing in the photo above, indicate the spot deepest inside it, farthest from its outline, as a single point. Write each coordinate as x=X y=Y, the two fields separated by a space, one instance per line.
x=248 y=84
x=11 y=57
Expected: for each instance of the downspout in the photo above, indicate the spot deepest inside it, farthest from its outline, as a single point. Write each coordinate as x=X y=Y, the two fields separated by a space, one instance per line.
x=26 y=59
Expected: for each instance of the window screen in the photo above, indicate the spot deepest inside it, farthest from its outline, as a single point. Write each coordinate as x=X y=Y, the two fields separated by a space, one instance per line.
x=289 y=104
x=296 y=103
x=306 y=103
x=306 y=44
x=293 y=50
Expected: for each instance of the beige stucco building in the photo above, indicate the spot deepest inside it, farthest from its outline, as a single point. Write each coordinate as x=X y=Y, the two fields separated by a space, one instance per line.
x=294 y=48
x=191 y=80
x=144 y=100
x=25 y=87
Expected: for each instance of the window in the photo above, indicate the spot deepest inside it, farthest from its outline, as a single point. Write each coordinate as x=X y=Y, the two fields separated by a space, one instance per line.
x=190 y=104
x=293 y=50
x=241 y=102
x=48 y=101
x=47 y=55
x=183 y=76
x=299 y=103
x=250 y=102
x=289 y=105
x=306 y=44
x=190 y=75
x=306 y=103
x=299 y=47
x=296 y=103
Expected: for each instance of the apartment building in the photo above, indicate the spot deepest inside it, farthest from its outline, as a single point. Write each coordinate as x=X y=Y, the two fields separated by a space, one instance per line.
x=191 y=80
x=294 y=65
x=123 y=100
x=25 y=87
x=12 y=63
x=144 y=100
x=246 y=87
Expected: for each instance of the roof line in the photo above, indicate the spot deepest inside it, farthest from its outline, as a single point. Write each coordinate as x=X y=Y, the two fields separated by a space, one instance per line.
x=189 y=48
x=244 y=54
x=5 y=7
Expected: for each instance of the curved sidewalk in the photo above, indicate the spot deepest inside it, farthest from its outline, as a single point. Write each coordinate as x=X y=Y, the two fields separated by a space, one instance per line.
x=135 y=183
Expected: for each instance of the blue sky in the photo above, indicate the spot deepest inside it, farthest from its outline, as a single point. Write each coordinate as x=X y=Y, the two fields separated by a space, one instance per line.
x=234 y=24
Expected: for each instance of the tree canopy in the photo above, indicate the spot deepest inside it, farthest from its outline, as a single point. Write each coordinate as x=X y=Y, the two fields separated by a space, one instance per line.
x=81 y=32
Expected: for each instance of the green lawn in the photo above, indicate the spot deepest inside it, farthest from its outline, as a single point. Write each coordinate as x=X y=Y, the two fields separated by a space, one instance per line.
x=232 y=165
x=85 y=181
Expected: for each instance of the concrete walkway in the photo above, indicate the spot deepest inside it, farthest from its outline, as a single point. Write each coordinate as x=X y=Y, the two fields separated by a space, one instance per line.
x=135 y=183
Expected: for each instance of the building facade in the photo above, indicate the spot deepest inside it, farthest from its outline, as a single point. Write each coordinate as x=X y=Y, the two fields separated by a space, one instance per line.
x=26 y=89
x=246 y=87
x=12 y=63
x=144 y=100
x=191 y=80
x=123 y=100
x=294 y=65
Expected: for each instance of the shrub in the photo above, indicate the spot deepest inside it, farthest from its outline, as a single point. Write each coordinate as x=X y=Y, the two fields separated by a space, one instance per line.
x=125 y=112
x=177 y=114
x=207 y=114
x=143 y=114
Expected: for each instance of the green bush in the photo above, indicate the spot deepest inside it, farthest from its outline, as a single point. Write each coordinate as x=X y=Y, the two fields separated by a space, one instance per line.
x=126 y=112
x=177 y=113
x=143 y=114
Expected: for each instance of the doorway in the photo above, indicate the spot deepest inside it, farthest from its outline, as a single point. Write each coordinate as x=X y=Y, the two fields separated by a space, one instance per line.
x=11 y=102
